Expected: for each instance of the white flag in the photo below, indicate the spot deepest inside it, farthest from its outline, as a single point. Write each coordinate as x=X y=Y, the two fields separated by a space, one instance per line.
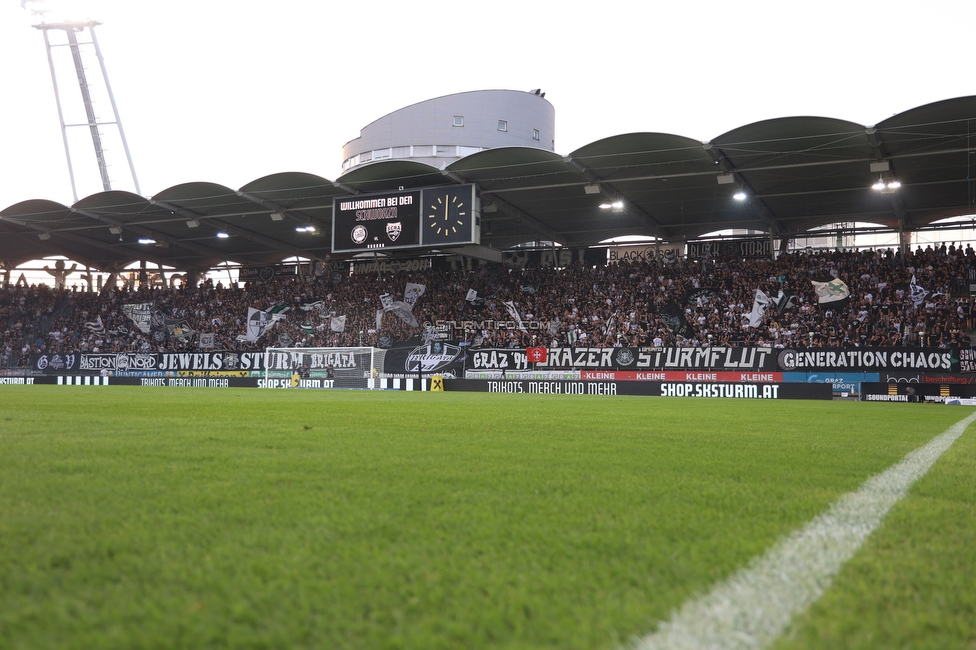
x=918 y=294
x=834 y=291
x=472 y=295
x=257 y=322
x=412 y=293
x=405 y=313
x=339 y=323
x=759 y=306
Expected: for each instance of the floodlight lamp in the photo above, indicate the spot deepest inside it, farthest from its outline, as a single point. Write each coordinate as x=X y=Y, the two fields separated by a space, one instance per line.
x=592 y=188
x=115 y=230
x=894 y=185
x=222 y=235
x=739 y=196
x=725 y=179
x=605 y=206
x=277 y=216
x=146 y=240
x=192 y=223
x=880 y=185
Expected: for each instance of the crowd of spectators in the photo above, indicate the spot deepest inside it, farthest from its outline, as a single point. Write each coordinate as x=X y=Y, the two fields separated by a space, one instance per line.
x=625 y=304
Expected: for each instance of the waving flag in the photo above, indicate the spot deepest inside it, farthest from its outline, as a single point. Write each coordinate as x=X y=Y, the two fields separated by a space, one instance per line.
x=785 y=300
x=95 y=325
x=918 y=294
x=412 y=293
x=513 y=312
x=759 y=306
x=832 y=292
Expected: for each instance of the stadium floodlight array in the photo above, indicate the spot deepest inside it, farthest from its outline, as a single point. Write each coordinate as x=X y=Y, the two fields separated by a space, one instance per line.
x=351 y=367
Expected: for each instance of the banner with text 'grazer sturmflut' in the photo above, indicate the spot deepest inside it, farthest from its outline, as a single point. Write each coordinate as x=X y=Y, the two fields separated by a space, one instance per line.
x=755 y=359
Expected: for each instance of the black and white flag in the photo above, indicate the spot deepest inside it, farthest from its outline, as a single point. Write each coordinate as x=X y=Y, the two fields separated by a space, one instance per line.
x=759 y=307
x=95 y=325
x=513 y=312
x=785 y=301
x=917 y=293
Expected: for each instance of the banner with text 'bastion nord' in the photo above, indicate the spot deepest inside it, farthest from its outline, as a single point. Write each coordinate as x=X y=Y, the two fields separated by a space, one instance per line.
x=86 y=362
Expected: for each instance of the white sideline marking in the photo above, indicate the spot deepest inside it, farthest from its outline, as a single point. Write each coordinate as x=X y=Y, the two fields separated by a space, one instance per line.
x=754 y=607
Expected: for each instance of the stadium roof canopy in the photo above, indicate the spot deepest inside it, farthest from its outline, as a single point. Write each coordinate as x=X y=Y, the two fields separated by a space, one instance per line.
x=796 y=173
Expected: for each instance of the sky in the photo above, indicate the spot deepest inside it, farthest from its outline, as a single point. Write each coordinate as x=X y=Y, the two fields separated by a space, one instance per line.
x=228 y=91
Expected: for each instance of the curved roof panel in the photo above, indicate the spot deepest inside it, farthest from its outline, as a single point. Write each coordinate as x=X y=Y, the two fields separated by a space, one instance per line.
x=796 y=173
x=386 y=174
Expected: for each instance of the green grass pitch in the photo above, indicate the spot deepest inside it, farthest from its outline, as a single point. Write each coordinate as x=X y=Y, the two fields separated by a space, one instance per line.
x=167 y=518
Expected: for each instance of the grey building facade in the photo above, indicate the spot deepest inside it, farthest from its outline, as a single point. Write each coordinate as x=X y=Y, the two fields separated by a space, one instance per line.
x=441 y=130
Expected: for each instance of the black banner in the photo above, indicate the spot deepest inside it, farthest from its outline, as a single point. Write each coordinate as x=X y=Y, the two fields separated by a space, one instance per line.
x=90 y=363
x=715 y=358
x=756 y=359
x=449 y=358
x=491 y=359
x=436 y=358
x=868 y=359
x=755 y=247
x=264 y=272
x=645 y=388
x=561 y=257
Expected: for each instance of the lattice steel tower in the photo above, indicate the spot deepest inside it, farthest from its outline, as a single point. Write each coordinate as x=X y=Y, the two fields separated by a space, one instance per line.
x=81 y=52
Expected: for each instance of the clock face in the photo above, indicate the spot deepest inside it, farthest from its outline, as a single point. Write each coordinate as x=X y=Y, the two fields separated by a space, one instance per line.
x=447 y=215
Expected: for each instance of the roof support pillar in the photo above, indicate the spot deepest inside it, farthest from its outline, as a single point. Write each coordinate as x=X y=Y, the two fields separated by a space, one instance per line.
x=904 y=241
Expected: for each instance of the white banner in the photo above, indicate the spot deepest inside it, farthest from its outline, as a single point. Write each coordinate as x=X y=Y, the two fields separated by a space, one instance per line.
x=412 y=293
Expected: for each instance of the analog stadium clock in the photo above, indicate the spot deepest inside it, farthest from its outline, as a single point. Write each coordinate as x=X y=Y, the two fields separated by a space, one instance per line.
x=447 y=215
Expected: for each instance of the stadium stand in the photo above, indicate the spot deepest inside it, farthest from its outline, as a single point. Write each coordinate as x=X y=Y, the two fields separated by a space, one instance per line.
x=686 y=303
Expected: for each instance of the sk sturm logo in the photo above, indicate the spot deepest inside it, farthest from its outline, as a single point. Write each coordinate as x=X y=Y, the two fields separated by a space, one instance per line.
x=625 y=357
x=729 y=248
x=359 y=234
x=433 y=357
x=393 y=230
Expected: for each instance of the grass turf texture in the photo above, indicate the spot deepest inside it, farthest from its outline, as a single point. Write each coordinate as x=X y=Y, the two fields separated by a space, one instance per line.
x=132 y=517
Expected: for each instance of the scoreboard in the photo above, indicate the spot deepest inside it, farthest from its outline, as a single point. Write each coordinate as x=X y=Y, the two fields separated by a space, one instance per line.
x=435 y=216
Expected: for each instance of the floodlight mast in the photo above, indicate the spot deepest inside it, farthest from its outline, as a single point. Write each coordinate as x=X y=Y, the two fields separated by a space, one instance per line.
x=71 y=28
